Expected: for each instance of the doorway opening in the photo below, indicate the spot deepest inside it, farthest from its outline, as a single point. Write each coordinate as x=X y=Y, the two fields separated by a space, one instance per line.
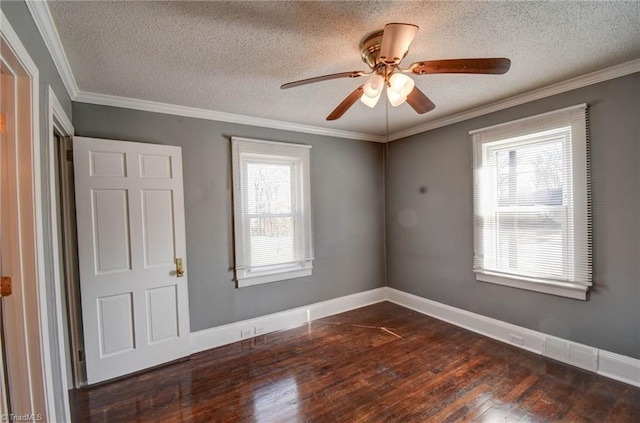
x=63 y=201
x=65 y=326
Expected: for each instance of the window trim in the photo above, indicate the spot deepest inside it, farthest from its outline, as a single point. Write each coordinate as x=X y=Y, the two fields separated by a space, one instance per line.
x=244 y=151
x=575 y=117
x=563 y=289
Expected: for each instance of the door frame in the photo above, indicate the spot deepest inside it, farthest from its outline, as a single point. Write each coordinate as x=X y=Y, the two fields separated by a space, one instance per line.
x=57 y=120
x=34 y=310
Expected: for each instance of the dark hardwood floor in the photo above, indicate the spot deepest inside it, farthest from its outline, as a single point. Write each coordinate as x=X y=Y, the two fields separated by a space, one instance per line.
x=346 y=369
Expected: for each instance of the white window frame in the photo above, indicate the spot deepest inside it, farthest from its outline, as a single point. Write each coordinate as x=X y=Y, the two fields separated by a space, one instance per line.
x=245 y=151
x=521 y=132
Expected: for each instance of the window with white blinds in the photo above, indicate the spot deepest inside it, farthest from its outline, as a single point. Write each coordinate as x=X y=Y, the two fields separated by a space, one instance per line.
x=272 y=213
x=532 y=203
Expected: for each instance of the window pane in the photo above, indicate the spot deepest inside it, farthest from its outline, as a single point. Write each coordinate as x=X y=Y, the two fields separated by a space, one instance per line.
x=272 y=241
x=268 y=188
x=532 y=204
x=531 y=175
x=532 y=243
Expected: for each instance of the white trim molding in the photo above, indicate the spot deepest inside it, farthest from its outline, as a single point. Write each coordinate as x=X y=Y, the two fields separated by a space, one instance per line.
x=613 y=72
x=44 y=22
x=56 y=119
x=194 y=112
x=611 y=365
x=596 y=77
x=521 y=337
x=619 y=367
x=42 y=17
x=288 y=319
x=36 y=394
x=563 y=289
x=614 y=366
x=57 y=116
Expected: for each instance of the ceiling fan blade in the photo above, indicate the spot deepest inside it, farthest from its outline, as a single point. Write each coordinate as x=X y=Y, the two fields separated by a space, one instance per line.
x=396 y=39
x=346 y=103
x=353 y=74
x=494 y=65
x=419 y=101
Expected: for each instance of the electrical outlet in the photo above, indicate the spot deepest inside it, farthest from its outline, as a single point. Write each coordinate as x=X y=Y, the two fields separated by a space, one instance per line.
x=259 y=330
x=515 y=339
x=246 y=333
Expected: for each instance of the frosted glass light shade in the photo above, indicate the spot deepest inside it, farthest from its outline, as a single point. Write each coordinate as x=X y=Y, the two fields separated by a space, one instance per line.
x=371 y=101
x=394 y=97
x=372 y=90
x=401 y=83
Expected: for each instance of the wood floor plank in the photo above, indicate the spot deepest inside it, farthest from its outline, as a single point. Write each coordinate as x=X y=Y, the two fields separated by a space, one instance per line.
x=381 y=363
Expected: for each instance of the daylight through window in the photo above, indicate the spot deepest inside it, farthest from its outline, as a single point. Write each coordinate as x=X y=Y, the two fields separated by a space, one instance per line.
x=532 y=221
x=271 y=211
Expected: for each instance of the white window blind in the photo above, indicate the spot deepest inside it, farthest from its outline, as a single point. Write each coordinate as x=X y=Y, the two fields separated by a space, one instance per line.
x=272 y=213
x=532 y=204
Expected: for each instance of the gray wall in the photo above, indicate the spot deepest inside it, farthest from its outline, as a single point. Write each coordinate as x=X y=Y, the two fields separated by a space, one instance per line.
x=22 y=23
x=20 y=19
x=430 y=236
x=347 y=208
x=431 y=257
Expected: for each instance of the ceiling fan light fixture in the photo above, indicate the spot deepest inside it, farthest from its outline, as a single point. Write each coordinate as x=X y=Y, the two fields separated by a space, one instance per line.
x=371 y=101
x=372 y=90
x=401 y=83
x=395 y=98
x=400 y=86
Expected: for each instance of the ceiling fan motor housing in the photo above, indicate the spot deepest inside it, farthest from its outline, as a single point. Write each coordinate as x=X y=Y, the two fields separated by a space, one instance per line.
x=370 y=48
x=370 y=53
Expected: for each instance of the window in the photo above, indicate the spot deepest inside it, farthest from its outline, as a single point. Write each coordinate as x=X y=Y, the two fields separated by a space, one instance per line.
x=272 y=213
x=532 y=205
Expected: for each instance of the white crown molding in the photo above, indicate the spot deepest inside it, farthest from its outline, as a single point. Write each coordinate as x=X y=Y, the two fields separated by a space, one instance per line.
x=42 y=17
x=44 y=22
x=557 y=88
x=172 y=109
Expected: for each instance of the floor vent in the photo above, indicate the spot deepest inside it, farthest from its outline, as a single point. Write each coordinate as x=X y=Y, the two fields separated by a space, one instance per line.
x=569 y=352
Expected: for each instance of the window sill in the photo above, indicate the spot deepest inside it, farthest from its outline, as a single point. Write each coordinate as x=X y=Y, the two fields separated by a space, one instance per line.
x=563 y=289
x=267 y=277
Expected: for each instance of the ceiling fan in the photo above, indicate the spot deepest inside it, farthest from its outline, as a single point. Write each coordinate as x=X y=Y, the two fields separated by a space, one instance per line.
x=383 y=51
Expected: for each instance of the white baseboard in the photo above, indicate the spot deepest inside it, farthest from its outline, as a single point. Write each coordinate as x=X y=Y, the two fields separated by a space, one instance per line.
x=615 y=366
x=496 y=329
x=288 y=319
x=349 y=302
x=619 y=367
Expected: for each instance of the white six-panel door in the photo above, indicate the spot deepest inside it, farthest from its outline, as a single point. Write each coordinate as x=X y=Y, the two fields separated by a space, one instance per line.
x=130 y=220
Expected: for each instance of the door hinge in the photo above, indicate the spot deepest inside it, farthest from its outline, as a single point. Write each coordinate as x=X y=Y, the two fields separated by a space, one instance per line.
x=81 y=355
x=70 y=155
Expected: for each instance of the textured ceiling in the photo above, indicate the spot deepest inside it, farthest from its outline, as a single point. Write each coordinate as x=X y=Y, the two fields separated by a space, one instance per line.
x=233 y=56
